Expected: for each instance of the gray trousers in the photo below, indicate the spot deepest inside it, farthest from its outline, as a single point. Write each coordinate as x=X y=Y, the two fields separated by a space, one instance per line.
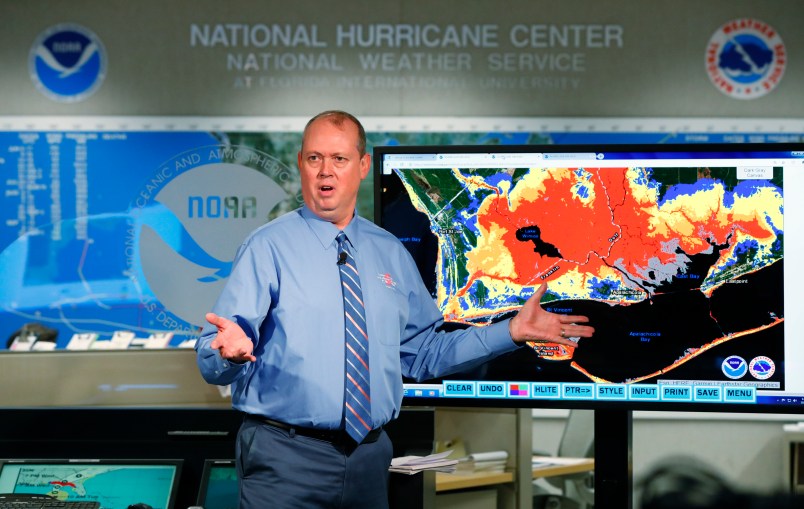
x=278 y=470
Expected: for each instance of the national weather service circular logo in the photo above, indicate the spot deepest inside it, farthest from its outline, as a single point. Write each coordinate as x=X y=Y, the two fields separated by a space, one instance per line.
x=745 y=58
x=67 y=63
x=762 y=367
x=734 y=367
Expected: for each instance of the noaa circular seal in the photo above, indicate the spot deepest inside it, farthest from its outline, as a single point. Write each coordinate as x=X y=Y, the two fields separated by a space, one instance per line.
x=67 y=63
x=187 y=221
x=762 y=367
x=745 y=58
x=734 y=367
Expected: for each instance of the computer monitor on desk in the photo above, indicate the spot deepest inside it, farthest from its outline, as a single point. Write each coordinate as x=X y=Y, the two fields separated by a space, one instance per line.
x=219 y=487
x=116 y=484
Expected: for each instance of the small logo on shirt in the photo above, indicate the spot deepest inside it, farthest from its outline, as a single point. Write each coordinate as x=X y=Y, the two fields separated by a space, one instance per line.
x=387 y=279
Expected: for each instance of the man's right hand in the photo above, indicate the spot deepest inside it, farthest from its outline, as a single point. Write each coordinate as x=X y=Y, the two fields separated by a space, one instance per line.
x=231 y=341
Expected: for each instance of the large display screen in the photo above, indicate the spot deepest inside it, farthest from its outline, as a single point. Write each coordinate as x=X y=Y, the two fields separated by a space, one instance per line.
x=686 y=258
x=119 y=240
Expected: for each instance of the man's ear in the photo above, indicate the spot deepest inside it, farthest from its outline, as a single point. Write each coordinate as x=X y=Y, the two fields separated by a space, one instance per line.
x=365 y=165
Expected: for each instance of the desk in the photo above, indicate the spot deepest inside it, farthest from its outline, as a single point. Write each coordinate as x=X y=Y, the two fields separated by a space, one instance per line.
x=558 y=466
x=562 y=466
x=459 y=481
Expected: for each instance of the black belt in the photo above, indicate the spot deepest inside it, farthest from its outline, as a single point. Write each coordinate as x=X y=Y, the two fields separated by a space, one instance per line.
x=334 y=436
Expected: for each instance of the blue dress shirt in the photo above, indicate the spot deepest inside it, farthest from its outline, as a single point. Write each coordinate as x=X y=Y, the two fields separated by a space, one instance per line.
x=284 y=291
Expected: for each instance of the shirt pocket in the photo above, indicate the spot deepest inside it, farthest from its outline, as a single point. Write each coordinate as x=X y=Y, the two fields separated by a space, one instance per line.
x=387 y=310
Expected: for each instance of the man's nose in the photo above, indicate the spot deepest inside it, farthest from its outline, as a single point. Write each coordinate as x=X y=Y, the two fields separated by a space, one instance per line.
x=327 y=166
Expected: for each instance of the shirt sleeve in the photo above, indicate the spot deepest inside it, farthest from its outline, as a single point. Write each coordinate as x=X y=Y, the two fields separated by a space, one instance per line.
x=245 y=299
x=427 y=351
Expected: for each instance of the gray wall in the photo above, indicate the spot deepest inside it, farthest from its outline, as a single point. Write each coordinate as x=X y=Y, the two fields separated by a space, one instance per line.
x=514 y=58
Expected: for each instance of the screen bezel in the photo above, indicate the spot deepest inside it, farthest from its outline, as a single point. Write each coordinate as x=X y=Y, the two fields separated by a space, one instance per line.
x=380 y=152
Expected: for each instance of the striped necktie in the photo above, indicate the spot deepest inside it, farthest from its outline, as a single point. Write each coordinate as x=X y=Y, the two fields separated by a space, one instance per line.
x=357 y=398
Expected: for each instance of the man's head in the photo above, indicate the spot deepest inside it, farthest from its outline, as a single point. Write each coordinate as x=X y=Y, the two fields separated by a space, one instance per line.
x=332 y=163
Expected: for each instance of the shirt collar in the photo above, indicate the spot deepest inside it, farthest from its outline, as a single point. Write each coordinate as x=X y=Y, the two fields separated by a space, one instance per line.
x=326 y=231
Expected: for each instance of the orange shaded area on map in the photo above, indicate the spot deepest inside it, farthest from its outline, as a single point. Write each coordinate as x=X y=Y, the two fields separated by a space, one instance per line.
x=603 y=223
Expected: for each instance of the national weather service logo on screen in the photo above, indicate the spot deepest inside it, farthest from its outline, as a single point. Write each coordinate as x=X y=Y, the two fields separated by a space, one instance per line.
x=745 y=58
x=67 y=63
x=762 y=367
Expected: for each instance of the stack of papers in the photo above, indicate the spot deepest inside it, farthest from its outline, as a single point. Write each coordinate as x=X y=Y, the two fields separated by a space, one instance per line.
x=492 y=461
x=414 y=464
x=551 y=461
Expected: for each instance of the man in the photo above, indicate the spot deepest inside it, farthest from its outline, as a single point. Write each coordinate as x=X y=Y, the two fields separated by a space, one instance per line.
x=277 y=334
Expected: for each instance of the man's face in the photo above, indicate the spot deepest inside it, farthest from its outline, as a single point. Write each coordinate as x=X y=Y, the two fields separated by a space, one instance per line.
x=331 y=170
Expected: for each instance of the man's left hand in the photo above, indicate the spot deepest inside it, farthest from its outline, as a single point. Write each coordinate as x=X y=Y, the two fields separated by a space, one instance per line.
x=533 y=323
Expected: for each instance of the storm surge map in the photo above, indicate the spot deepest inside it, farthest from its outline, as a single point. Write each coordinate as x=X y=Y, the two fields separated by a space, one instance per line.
x=668 y=263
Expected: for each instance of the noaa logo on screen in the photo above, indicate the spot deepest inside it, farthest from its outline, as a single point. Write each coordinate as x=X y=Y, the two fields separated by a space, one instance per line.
x=745 y=58
x=67 y=63
x=189 y=218
x=734 y=367
x=762 y=367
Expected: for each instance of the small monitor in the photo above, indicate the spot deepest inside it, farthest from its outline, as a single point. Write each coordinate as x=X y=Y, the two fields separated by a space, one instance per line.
x=115 y=484
x=219 y=487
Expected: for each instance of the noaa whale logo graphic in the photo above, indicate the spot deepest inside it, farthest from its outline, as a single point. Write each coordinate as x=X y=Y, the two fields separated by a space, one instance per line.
x=734 y=367
x=189 y=218
x=746 y=58
x=67 y=63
